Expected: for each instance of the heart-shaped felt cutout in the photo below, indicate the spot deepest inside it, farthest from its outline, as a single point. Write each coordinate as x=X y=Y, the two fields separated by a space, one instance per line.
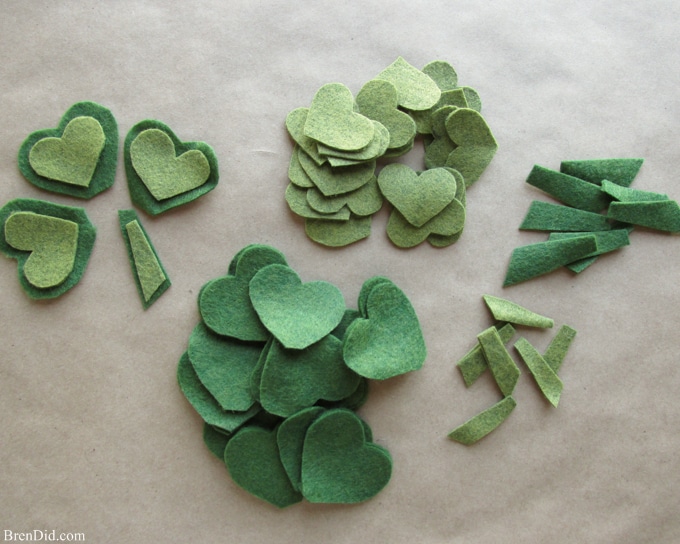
x=290 y=438
x=252 y=458
x=73 y=157
x=53 y=243
x=334 y=181
x=338 y=233
x=297 y=314
x=419 y=198
x=299 y=204
x=415 y=90
x=388 y=340
x=375 y=149
x=366 y=200
x=331 y=119
x=338 y=464
x=476 y=144
x=450 y=222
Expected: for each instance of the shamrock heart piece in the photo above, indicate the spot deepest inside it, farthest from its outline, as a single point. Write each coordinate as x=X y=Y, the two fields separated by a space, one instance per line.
x=338 y=464
x=476 y=144
x=450 y=222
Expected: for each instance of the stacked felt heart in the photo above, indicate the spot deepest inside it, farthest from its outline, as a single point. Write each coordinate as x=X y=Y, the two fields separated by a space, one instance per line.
x=276 y=368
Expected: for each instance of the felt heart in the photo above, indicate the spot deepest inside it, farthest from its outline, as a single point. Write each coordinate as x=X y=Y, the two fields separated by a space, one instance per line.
x=295 y=124
x=366 y=200
x=374 y=150
x=334 y=181
x=73 y=157
x=415 y=90
x=252 y=458
x=297 y=200
x=338 y=233
x=296 y=314
x=165 y=174
x=331 y=119
x=338 y=464
x=53 y=243
x=450 y=222
x=476 y=144
x=290 y=438
x=419 y=198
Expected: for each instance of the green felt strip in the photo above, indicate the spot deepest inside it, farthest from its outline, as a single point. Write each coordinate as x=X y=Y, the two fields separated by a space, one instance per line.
x=483 y=423
x=548 y=382
x=506 y=310
x=415 y=90
x=504 y=370
x=619 y=171
x=557 y=350
x=626 y=194
x=568 y=189
x=334 y=181
x=607 y=240
x=473 y=364
x=78 y=158
x=534 y=260
x=661 y=215
x=290 y=438
x=338 y=234
x=555 y=217
x=215 y=440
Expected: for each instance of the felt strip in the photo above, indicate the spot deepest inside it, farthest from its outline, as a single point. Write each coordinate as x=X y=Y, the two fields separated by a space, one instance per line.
x=506 y=310
x=483 y=423
x=557 y=350
x=504 y=370
x=626 y=194
x=473 y=364
x=555 y=217
x=619 y=171
x=569 y=190
x=608 y=240
x=534 y=260
x=661 y=215
x=546 y=379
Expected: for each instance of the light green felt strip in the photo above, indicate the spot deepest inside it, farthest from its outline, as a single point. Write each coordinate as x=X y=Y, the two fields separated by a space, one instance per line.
x=568 y=189
x=555 y=217
x=547 y=380
x=619 y=171
x=534 y=260
x=661 y=215
x=415 y=90
x=558 y=347
x=506 y=310
x=483 y=423
x=626 y=194
x=473 y=364
x=504 y=370
x=607 y=240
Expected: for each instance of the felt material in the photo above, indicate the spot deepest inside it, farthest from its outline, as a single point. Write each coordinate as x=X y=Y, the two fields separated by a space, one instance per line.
x=78 y=158
x=661 y=215
x=504 y=370
x=418 y=198
x=215 y=440
x=558 y=347
x=205 y=404
x=534 y=260
x=449 y=222
x=256 y=375
x=164 y=172
x=626 y=194
x=296 y=379
x=376 y=148
x=473 y=364
x=364 y=201
x=568 y=189
x=472 y=98
x=442 y=73
x=619 y=171
x=555 y=217
x=334 y=181
x=506 y=310
x=252 y=458
x=354 y=401
x=347 y=318
x=296 y=197
x=224 y=367
x=366 y=289
x=44 y=233
x=331 y=119
x=387 y=341
x=483 y=423
x=295 y=125
x=338 y=234
x=607 y=240
x=297 y=314
x=476 y=145
x=149 y=274
x=415 y=90
x=338 y=464
x=546 y=379
x=290 y=438
x=224 y=303
x=297 y=174
x=438 y=151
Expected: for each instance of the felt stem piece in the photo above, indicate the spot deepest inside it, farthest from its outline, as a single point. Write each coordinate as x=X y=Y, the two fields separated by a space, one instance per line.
x=504 y=370
x=626 y=194
x=569 y=190
x=546 y=379
x=483 y=423
x=555 y=217
x=619 y=171
x=557 y=350
x=661 y=215
x=506 y=310
x=473 y=364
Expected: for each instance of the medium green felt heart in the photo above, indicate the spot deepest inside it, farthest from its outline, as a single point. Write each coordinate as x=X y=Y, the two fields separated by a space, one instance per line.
x=476 y=144
x=165 y=174
x=73 y=157
x=334 y=181
x=419 y=198
x=53 y=243
x=338 y=233
x=338 y=464
x=388 y=340
x=290 y=438
x=415 y=90
x=447 y=224
x=297 y=314
x=364 y=201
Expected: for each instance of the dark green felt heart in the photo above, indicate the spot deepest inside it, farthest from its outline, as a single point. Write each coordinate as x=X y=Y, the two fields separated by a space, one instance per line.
x=290 y=438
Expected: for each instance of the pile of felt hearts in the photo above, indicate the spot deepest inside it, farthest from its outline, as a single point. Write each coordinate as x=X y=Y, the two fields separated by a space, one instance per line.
x=276 y=368
x=341 y=142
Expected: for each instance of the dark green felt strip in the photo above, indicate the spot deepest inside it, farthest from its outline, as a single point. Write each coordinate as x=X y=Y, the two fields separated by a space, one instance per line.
x=555 y=217
x=659 y=215
x=608 y=240
x=483 y=423
x=619 y=171
x=568 y=189
x=626 y=194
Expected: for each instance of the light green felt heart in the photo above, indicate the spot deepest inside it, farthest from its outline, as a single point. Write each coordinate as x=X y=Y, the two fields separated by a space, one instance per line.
x=72 y=158
x=415 y=90
x=375 y=149
x=364 y=201
x=447 y=224
x=297 y=314
x=298 y=202
x=297 y=174
x=295 y=124
x=338 y=464
x=442 y=73
x=331 y=119
x=334 y=181
x=338 y=233
x=387 y=341
x=419 y=198
x=377 y=100
x=476 y=144
x=53 y=243
x=166 y=175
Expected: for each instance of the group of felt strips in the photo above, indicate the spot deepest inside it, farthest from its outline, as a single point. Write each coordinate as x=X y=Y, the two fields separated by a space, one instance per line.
x=52 y=243
x=277 y=368
x=597 y=211
x=491 y=353
x=342 y=142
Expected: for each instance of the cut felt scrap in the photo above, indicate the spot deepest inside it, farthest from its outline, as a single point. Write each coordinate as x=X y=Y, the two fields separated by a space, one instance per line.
x=78 y=158
x=556 y=217
x=503 y=367
x=546 y=379
x=506 y=310
x=52 y=244
x=661 y=215
x=619 y=171
x=559 y=345
x=149 y=274
x=483 y=423
x=473 y=364
x=569 y=190
x=626 y=194
x=607 y=240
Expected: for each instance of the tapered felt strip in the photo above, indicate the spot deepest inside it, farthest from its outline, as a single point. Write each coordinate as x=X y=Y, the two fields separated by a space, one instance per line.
x=557 y=350
x=568 y=189
x=661 y=215
x=504 y=370
x=473 y=364
x=555 y=217
x=607 y=240
x=483 y=423
x=548 y=382
x=506 y=310
x=619 y=171
x=626 y=194
x=534 y=260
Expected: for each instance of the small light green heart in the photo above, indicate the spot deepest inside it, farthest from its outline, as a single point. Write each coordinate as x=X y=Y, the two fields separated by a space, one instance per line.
x=334 y=181
x=375 y=149
x=53 y=243
x=377 y=100
x=338 y=233
x=443 y=74
x=419 y=198
x=364 y=201
x=296 y=197
x=165 y=174
x=476 y=144
x=331 y=119
x=72 y=158
x=447 y=224
x=415 y=90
